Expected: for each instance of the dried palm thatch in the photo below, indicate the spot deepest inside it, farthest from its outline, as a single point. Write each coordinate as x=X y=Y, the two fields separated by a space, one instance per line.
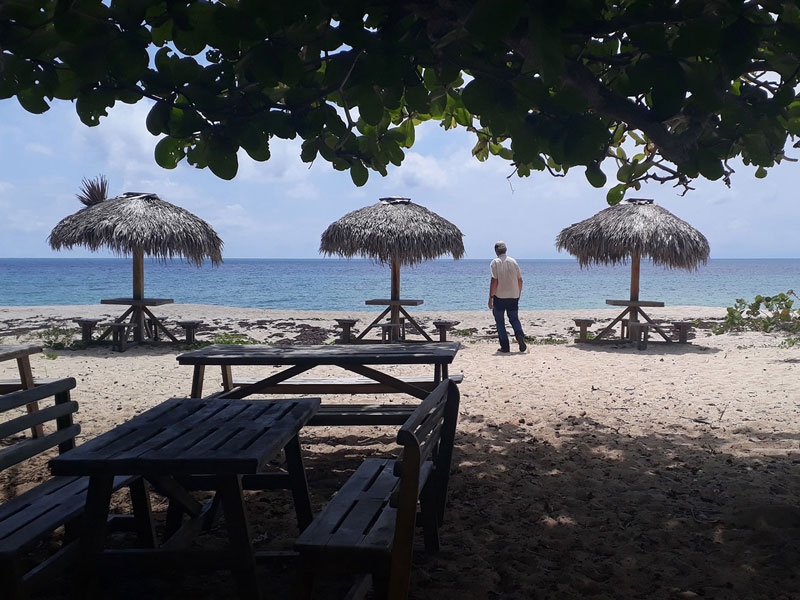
x=633 y=229
x=136 y=224
x=394 y=231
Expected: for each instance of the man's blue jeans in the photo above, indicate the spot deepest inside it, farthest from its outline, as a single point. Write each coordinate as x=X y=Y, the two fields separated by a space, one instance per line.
x=503 y=306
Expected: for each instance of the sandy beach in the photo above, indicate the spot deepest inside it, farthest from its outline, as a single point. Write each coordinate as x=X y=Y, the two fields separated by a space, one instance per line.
x=580 y=471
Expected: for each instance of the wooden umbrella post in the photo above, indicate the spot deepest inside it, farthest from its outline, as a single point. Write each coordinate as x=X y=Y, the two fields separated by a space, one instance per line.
x=137 y=318
x=395 y=312
x=635 y=263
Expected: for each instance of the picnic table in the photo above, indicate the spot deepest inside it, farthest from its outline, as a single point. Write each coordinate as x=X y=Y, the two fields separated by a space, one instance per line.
x=394 y=308
x=21 y=353
x=634 y=309
x=357 y=358
x=139 y=318
x=188 y=444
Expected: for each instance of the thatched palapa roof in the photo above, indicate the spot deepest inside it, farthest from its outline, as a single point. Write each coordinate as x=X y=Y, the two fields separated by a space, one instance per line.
x=634 y=228
x=136 y=222
x=394 y=229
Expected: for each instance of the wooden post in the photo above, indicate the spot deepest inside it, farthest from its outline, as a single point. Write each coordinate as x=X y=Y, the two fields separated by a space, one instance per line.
x=635 y=262
x=395 y=312
x=137 y=318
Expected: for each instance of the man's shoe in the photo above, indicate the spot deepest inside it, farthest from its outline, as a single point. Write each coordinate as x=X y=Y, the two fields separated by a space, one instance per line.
x=504 y=350
x=521 y=341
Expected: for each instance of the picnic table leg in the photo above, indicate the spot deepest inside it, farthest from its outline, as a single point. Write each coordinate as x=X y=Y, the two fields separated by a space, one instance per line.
x=197 y=381
x=299 y=483
x=98 y=498
x=26 y=378
x=243 y=558
x=227 y=378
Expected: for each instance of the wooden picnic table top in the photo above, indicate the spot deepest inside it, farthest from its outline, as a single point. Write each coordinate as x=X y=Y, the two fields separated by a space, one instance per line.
x=138 y=301
x=637 y=303
x=324 y=354
x=185 y=436
x=389 y=302
x=12 y=351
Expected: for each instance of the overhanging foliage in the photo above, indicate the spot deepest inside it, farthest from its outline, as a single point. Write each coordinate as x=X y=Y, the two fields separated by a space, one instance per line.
x=646 y=89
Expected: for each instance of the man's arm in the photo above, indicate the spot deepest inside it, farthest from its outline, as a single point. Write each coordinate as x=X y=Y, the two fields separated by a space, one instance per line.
x=492 y=290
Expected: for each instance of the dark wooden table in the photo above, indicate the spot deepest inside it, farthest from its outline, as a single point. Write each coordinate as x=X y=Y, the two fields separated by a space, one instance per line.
x=634 y=308
x=189 y=444
x=139 y=315
x=357 y=358
x=21 y=353
x=394 y=308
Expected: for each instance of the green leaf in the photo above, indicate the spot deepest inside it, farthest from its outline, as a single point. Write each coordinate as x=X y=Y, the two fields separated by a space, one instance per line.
x=359 y=173
x=157 y=121
x=616 y=194
x=595 y=176
x=168 y=153
x=760 y=173
x=31 y=99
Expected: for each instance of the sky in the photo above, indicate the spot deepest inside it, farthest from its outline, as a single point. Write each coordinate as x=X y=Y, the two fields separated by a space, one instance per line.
x=279 y=208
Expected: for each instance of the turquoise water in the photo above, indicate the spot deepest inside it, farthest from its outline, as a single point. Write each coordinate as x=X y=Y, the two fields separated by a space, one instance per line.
x=343 y=285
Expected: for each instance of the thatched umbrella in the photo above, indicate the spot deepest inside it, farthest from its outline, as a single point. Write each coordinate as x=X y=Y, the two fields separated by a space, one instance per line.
x=135 y=224
x=632 y=229
x=394 y=231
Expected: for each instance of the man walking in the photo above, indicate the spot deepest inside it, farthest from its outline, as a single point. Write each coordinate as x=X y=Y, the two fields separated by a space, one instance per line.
x=504 y=292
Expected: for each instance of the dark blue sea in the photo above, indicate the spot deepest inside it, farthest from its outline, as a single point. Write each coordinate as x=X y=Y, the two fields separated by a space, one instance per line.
x=343 y=285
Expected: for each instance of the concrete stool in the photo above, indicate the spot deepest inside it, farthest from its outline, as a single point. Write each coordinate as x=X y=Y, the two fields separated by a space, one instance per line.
x=87 y=326
x=583 y=324
x=443 y=327
x=683 y=331
x=346 y=325
x=639 y=333
x=190 y=327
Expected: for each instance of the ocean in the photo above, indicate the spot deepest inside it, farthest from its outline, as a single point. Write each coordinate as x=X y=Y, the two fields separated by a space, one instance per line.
x=343 y=285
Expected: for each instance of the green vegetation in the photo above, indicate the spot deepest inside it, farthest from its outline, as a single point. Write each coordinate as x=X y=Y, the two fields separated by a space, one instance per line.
x=630 y=90
x=56 y=338
x=764 y=313
x=233 y=338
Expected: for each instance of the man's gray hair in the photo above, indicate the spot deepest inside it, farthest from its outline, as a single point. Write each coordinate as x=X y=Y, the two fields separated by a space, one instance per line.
x=500 y=248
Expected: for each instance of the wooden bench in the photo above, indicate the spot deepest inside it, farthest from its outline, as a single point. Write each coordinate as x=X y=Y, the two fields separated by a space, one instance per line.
x=190 y=327
x=682 y=329
x=347 y=326
x=87 y=325
x=583 y=325
x=368 y=527
x=639 y=332
x=14 y=385
x=120 y=330
x=37 y=513
x=443 y=327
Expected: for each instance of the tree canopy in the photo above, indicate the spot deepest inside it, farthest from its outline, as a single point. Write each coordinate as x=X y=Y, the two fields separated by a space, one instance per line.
x=642 y=89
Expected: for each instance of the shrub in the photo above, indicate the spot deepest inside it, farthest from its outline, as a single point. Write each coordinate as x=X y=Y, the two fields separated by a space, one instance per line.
x=764 y=313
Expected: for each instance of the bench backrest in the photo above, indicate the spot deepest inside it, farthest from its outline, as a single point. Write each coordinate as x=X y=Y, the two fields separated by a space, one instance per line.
x=427 y=438
x=12 y=422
